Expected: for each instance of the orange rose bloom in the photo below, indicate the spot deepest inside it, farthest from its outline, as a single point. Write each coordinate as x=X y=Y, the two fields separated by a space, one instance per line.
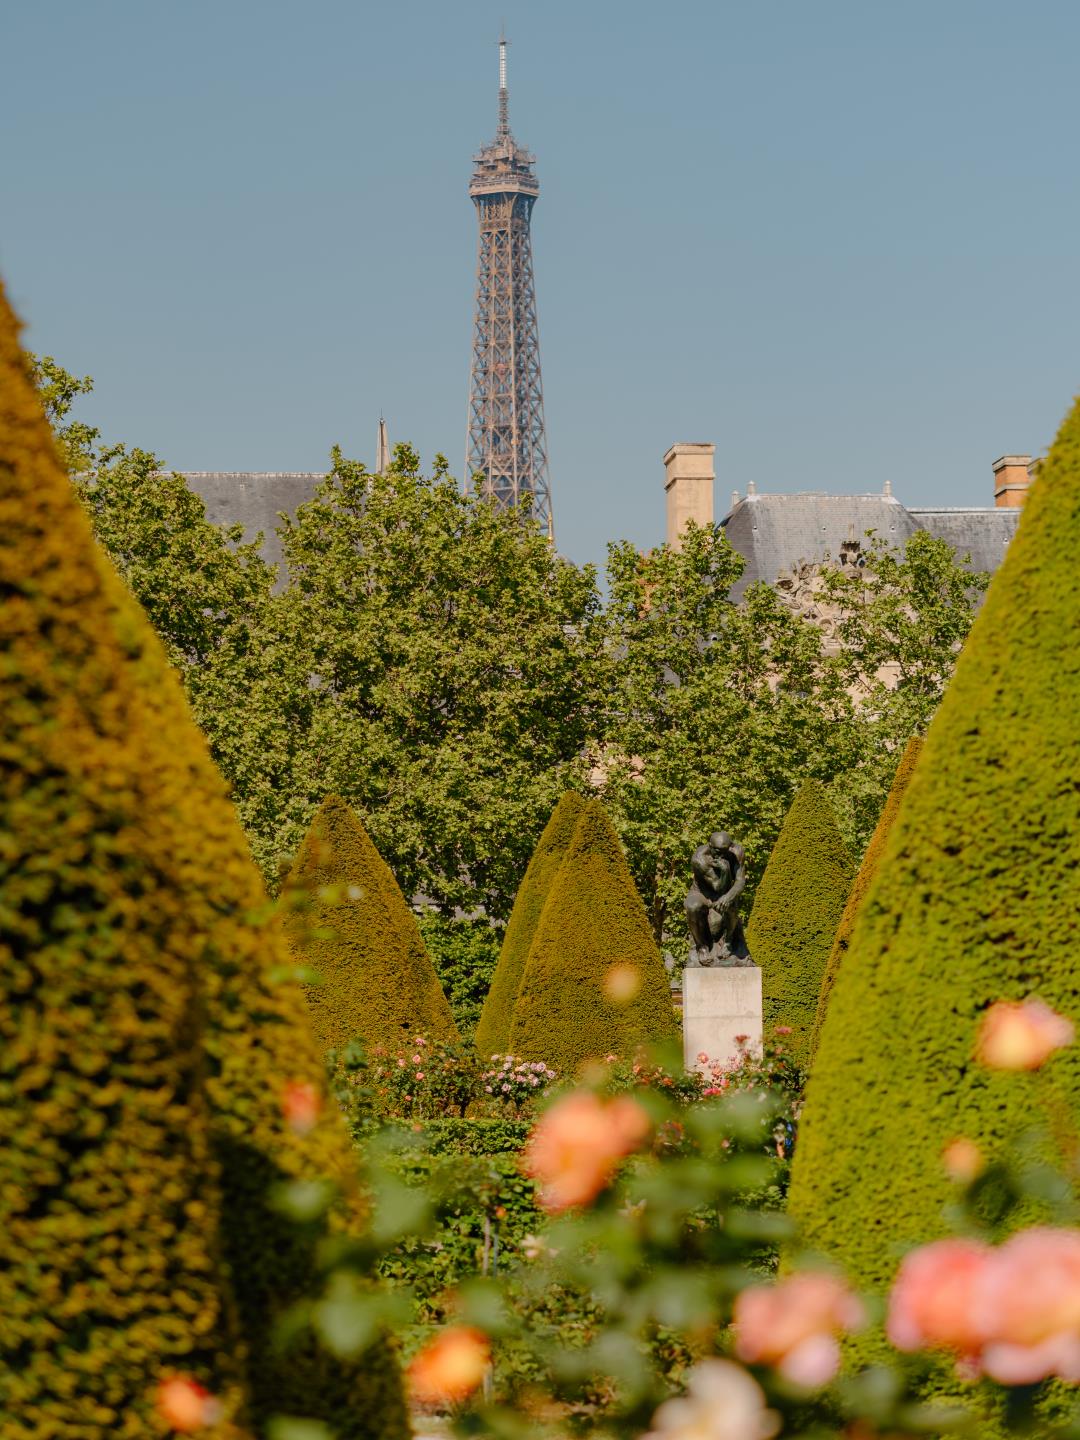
x=451 y=1367
x=185 y=1405
x=1021 y=1035
x=301 y=1104
x=576 y=1147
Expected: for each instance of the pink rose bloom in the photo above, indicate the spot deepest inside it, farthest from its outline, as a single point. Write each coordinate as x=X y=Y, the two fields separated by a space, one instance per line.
x=576 y=1147
x=932 y=1304
x=1021 y=1035
x=416 y=1059
x=793 y=1325
x=419 y=1075
x=401 y=1061
x=1028 y=1302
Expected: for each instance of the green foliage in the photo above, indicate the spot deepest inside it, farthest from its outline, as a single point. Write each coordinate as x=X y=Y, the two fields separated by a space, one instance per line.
x=435 y=662
x=376 y=982
x=867 y=870
x=493 y=1031
x=903 y=617
x=142 y=1031
x=593 y=935
x=796 y=911
x=109 y=1195
x=975 y=899
x=758 y=705
x=465 y=954
x=446 y=689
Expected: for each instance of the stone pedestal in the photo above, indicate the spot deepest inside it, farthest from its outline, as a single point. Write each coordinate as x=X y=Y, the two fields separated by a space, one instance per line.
x=719 y=1004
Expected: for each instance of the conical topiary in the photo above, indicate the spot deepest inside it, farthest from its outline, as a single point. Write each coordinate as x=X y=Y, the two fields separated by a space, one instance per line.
x=867 y=871
x=493 y=1030
x=594 y=982
x=975 y=900
x=796 y=911
x=377 y=982
x=140 y=1024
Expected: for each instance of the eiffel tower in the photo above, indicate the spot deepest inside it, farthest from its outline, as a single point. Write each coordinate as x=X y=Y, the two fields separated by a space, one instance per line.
x=506 y=452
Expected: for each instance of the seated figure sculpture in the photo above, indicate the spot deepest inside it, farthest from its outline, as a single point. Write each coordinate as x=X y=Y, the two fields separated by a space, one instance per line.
x=712 y=905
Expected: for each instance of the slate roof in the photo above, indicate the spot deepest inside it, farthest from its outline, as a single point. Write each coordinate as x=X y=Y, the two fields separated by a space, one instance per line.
x=775 y=533
x=253 y=499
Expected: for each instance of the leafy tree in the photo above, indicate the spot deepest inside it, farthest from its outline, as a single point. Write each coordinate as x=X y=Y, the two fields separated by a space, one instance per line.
x=439 y=665
x=722 y=710
x=903 y=618
x=447 y=687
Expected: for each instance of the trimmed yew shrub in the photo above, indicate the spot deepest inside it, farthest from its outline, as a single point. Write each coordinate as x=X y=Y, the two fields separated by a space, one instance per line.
x=143 y=1047
x=377 y=982
x=493 y=1031
x=867 y=870
x=796 y=911
x=975 y=899
x=594 y=982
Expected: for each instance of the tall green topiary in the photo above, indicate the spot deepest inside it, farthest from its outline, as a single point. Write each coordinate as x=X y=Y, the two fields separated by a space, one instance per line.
x=143 y=1047
x=867 y=870
x=594 y=982
x=493 y=1031
x=796 y=911
x=975 y=900
x=377 y=982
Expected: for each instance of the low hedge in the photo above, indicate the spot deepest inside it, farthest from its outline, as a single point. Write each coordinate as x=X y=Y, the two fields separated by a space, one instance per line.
x=974 y=901
x=146 y=1040
x=376 y=979
x=493 y=1031
x=867 y=870
x=796 y=911
x=594 y=983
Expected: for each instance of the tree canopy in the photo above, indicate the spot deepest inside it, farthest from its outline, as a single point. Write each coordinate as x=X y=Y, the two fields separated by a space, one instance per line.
x=435 y=662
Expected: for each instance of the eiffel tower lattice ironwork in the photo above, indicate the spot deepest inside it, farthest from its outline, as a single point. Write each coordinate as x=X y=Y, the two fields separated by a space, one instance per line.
x=506 y=452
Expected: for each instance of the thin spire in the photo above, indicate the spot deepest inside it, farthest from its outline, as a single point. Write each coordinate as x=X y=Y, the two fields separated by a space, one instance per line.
x=382 y=450
x=504 y=107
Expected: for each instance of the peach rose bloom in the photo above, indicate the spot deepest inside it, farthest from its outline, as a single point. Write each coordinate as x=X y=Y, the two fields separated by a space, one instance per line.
x=185 y=1405
x=1021 y=1035
x=451 y=1367
x=722 y=1402
x=932 y=1304
x=577 y=1145
x=793 y=1326
x=1028 y=1303
x=963 y=1160
x=301 y=1104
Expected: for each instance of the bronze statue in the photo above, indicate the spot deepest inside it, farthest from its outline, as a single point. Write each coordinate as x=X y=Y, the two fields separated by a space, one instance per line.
x=712 y=906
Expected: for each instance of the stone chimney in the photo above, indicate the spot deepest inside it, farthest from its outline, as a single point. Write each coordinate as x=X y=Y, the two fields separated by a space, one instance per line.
x=1011 y=480
x=688 y=482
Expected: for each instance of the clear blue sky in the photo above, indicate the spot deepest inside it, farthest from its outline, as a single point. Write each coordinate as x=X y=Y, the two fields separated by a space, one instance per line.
x=837 y=239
